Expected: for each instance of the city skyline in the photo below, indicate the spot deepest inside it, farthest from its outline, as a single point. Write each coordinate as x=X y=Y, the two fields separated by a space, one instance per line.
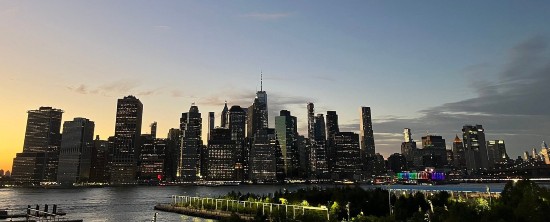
x=453 y=71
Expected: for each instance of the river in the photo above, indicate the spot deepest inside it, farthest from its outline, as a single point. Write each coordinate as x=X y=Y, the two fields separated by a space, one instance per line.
x=136 y=203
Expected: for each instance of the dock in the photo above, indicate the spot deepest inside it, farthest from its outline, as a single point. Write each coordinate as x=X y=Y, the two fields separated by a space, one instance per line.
x=203 y=213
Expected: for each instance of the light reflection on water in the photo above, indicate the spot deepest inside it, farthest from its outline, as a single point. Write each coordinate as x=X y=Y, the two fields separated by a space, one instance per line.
x=136 y=203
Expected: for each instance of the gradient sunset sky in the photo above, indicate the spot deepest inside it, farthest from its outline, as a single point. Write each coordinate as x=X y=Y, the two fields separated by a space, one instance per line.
x=426 y=65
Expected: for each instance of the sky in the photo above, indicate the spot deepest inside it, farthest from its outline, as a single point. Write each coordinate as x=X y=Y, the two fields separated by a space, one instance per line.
x=432 y=66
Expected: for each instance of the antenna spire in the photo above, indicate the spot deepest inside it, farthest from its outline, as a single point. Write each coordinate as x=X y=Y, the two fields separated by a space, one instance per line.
x=261 y=80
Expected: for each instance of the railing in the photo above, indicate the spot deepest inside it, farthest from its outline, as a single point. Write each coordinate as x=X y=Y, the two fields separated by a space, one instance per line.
x=246 y=207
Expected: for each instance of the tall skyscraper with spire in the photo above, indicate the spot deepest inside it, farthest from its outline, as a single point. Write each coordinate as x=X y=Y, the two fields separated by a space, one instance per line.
x=258 y=112
x=223 y=118
x=262 y=105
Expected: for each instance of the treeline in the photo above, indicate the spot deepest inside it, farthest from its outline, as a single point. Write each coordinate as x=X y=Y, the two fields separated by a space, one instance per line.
x=520 y=201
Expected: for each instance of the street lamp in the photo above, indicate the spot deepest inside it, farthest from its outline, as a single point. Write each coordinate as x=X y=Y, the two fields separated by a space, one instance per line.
x=347 y=208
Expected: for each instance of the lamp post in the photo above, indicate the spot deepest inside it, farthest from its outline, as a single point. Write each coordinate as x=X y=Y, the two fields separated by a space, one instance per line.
x=389 y=198
x=328 y=210
x=347 y=208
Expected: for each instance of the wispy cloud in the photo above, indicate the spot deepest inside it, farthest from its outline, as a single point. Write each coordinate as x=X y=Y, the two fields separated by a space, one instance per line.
x=266 y=16
x=162 y=27
x=115 y=87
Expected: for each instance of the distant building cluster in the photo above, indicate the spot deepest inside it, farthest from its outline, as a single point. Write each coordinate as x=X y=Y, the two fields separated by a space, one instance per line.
x=242 y=149
x=472 y=155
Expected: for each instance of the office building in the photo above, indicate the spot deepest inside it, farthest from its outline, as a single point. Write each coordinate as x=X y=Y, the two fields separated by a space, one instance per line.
x=40 y=157
x=211 y=120
x=75 y=155
x=408 y=147
x=332 y=129
x=397 y=163
x=310 y=121
x=123 y=164
x=191 y=155
x=475 y=147
x=545 y=153
x=237 y=129
x=287 y=130
x=153 y=127
x=263 y=156
x=366 y=132
x=496 y=152
x=347 y=164
x=433 y=152
x=223 y=117
x=173 y=151
x=221 y=156
x=318 y=150
x=99 y=163
x=459 y=160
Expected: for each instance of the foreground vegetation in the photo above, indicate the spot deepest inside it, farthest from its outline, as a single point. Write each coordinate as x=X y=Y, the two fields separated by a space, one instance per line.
x=519 y=201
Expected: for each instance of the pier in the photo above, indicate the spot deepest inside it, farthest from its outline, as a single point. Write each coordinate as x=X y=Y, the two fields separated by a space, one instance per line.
x=213 y=208
x=37 y=215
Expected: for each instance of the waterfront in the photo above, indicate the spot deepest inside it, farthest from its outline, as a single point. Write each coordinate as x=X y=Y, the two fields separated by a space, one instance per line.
x=136 y=203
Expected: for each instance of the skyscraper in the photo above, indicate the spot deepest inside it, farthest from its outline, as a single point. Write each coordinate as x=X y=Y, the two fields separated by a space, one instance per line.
x=287 y=130
x=545 y=152
x=39 y=160
x=152 y=159
x=397 y=163
x=237 y=129
x=153 y=127
x=257 y=118
x=75 y=156
x=496 y=152
x=433 y=152
x=263 y=156
x=223 y=117
x=366 y=132
x=332 y=129
x=221 y=156
x=262 y=106
x=211 y=120
x=475 y=147
x=173 y=151
x=408 y=147
x=99 y=162
x=332 y=124
x=318 y=152
x=347 y=159
x=189 y=167
x=310 y=121
x=459 y=154
x=123 y=166
x=320 y=133
x=407 y=134
x=43 y=130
